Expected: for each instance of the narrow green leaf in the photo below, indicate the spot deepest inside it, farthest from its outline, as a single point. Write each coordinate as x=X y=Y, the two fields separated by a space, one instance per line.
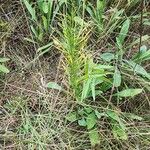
x=2 y=60
x=133 y=116
x=104 y=67
x=115 y=118
x=34 y=31
x=94 y=137
x=85 y=90
x=30 y=40
x=93 y=89
x=45 y=22
x=3 y=69
x=30 y=9
x=117 y=78
x=53 y=85
x=45 y=47
x=142 y=56
x=90 y=11
x=129 y=92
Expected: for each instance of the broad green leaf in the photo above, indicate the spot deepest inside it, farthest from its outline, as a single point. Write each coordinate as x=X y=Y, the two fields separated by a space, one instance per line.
x=79 y=20
x=147 y=23
x=99 y=115
x=53 y=85
x=107 y=56
x=119 y=133
x=72 y=116
x=124 y=31
x=117 y=78
x=91 y=120
x=115 y=118
x=143 y=48
x=3 y=69
x=113 y=115
x=138 y=69
x=82 y=122
x=101 y=5
x=129 y=92
x=2 y=60
x=45 y=7
x=94 y=137
x=88 y=109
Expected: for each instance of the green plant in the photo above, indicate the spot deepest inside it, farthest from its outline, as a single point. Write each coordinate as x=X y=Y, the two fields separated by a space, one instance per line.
x=3 y=69
x=91 y=84
x=97 y=14
x=105 y=24
x=72 y=44
x=42 y=17
x=124 y=65
x=86 y=92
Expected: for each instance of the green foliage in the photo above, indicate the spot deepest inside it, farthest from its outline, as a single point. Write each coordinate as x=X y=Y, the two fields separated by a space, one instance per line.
x=72 y=116
x=42 y=17
x=3 y=69
x=97 y=13
x=107 y=56
x=94 y=137
x=117 y=78
x=100 y=87
x=129 y=92
x=53 y=85
x=121 y=38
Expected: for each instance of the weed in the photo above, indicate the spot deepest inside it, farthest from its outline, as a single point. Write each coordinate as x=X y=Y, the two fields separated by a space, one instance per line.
x=92 y=92
x=3 y=69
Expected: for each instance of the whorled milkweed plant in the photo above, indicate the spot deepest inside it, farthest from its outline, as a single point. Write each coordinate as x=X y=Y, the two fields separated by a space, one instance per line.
x=72 y=44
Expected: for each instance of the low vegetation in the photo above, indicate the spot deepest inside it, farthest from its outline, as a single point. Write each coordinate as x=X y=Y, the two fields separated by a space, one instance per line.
x=75 y=75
